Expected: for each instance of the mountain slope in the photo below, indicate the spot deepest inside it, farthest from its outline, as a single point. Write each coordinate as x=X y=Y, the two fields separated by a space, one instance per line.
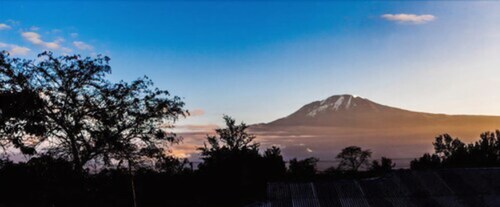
x=323 y=128
x=354 y=111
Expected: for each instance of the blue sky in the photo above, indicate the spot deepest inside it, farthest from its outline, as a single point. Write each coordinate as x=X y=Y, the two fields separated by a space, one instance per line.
x=259 y=61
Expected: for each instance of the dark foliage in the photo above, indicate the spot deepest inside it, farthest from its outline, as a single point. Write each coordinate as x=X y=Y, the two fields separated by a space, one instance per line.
x=352 y=158
x=384 y=166
x=64 y=106
x=234 y=167
x=451 y=153
x=273 y=163
x=20 y=106
x=427 y=161
x=42 y=181
x=45 y=181
x=305 y=168
x=172 y=166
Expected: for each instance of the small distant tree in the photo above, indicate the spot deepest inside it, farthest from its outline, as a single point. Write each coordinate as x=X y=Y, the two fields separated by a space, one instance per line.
x=486 y=151
x=385 y=165
x=303 y=168
x=273 y=152
x=445 y=146
x=427 y=161
x=352 y=158
x=233 y=138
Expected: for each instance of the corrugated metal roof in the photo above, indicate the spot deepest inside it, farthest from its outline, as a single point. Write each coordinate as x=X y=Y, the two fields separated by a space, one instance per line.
x=453 y=187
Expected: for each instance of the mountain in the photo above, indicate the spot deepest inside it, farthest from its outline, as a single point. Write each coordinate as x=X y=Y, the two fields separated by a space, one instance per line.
x=349 y=111
x=355 y=111
x=322 y=128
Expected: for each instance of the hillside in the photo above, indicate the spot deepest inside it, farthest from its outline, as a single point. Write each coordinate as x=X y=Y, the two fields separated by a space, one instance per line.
x=322 y=128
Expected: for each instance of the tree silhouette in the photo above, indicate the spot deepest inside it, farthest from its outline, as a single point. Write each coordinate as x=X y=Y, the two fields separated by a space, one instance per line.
x=445 y=145
x=273 y=163
x=233 y=165
x=427 y=161
x=451 y=152
x=234 y=147
x=385 y=165
x=303 y=168
x=86 y=117
x=232 y=138
x=486 y=151
x=233 y=144
x=352 y=158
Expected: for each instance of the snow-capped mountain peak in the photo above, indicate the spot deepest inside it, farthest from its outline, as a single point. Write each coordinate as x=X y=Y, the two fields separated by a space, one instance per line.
x=340 y=110
x=333 y=103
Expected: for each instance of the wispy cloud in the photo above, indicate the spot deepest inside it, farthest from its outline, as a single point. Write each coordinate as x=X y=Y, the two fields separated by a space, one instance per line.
x=32 y=37
x=46 y=39
x=208 y=128
x=82 y=45
x=15 y=49
x=36 y=39
x=4 y=26
x=409 y=18
x=197 y=112
x=18 y=50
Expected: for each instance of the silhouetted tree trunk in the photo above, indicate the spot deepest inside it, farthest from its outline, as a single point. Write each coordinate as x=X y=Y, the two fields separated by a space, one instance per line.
x=134 y=198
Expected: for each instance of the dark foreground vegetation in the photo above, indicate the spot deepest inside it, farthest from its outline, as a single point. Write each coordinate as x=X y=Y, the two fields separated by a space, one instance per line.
x=91 y=142
x=452 y=153
x=233 y=173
